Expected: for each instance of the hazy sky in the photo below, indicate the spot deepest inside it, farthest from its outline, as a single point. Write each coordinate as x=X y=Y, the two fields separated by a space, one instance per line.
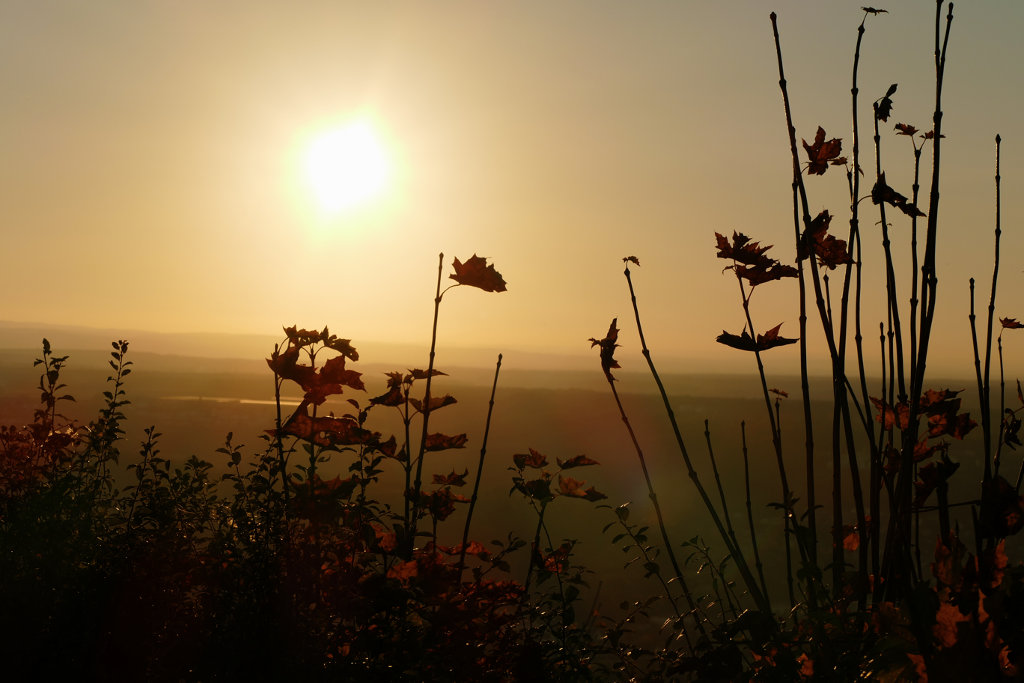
x=151 y=162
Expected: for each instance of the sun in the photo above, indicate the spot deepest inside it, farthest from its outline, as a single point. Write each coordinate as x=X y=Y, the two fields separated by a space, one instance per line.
x=347 y=167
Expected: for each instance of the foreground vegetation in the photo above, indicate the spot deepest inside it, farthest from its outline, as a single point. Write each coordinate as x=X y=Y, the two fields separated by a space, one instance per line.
x=132 y=567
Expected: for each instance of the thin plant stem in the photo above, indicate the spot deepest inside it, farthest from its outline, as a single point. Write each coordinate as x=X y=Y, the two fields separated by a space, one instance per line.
x=417 y=483
x=691 y=602
x=760 y=598
x=750 y=511
x=479 y=469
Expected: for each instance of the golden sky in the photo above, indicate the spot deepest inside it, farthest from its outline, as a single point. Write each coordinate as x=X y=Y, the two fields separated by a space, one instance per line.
x=151 y=163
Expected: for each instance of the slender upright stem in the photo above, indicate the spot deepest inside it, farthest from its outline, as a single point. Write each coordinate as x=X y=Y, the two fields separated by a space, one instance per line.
x=479 y=469
x=411 y=542
x=760 y=599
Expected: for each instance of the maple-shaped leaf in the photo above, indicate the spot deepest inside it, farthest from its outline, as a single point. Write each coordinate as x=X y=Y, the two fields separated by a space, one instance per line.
x=930 y=135
x=568 y=486
x=905 y=129
x=532 y=459
x=475 y=272
x=441 y=442
x=821 y=152
x=881 y=192
x=931 y=476
x=392 y=397
x=741 y=249
x=329 y=379
x=831 y=251
x=451 y=479
x=910 y=209
x=423 y=374
x=872 y=10
x=771 y=339
x=745 y=342
x=538 y=489
x=756 y=275
x=436 y=402
x=884 y=106
x=608 y=346
x=593 y=494
x=1011 y=323
x=631 y=259
x=325 y=431
x=576 y=461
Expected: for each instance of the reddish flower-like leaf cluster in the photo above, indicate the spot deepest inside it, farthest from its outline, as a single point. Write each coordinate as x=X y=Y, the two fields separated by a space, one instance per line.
x=608 y=346
x=318 y=383
x=745 y=342
x=831 y=251
x=475 y=272
x=823 y=153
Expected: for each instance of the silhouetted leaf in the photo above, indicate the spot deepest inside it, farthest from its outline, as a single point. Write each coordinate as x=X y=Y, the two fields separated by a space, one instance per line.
x=441 y=442
x=475 y=272
x=821 y=152
x=744 y=342
x=532 y=459
x=884 y=107
x=576 y=461
x=872 y=10
x=451 y=479
x=608 y=346
x=905 y=129
x=628 y=259
x=1011 y=324
x=831 y=251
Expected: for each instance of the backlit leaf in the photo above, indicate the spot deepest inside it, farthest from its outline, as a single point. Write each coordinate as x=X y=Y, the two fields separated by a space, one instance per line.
x=821 y=152
x=476 y=272
x=608 y=346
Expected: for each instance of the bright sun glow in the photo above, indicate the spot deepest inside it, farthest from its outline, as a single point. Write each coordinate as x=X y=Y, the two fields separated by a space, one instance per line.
x=347 y=167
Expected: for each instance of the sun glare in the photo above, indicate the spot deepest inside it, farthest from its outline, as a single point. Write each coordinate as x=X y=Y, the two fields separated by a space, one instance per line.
x=347 y=167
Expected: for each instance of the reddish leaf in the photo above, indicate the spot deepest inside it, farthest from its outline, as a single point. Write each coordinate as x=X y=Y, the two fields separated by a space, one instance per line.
x=771 y=339
x=441 y=442
x=830 y=251
x=568 y=486
x=436 y=402
x=1011 y=324
x=628 y=259
x=881 y=192
x=821 y=152
x=608 y=346
x=325 y=431
x=741 y=249
x=905 y=129
x=451 y=479
x=593 y=494
x=423 y=374
x=884 y=106
x=930 y=135
x=477 y=273
x=780 y=393
x=533 y=459
x=576 y=461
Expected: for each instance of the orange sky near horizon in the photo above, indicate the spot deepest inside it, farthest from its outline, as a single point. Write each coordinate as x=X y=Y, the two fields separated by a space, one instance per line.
x=151 y=172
